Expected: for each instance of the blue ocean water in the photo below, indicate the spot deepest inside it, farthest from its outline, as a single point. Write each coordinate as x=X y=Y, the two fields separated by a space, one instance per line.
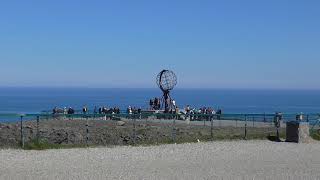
x=35 y=100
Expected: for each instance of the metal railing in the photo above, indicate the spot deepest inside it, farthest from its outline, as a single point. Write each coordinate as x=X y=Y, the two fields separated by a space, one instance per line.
x=93 y=128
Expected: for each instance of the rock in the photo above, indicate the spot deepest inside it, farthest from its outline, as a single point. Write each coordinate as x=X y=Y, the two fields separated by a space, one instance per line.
x=121 y=123
x=28 y=127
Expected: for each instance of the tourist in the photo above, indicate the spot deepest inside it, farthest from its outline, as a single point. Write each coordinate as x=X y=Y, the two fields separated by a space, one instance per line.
x=177 y=112
x=84 y=109
x=219 y=113
x=54 y=110
x=151 y=103
x=156 y=104
x=129 y=110
x=70 y=110
x=174 y=103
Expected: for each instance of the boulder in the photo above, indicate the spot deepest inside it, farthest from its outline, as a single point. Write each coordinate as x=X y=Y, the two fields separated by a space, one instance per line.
x=121 y=123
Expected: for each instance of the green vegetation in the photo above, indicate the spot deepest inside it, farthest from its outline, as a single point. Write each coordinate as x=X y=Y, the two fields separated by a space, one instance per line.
x=43 y=144
x=315 y=134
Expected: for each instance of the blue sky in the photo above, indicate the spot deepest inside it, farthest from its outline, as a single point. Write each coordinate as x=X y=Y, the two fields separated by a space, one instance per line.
x=209 y=44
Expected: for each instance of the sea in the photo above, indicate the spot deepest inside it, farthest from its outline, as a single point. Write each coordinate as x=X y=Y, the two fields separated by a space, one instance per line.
x=37 y=100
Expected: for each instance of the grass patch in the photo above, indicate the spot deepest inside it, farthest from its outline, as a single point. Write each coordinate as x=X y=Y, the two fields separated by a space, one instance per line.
x=315 y=134
x=43 y=144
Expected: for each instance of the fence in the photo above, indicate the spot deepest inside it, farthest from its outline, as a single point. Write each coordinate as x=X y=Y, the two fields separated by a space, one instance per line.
x=133 y=129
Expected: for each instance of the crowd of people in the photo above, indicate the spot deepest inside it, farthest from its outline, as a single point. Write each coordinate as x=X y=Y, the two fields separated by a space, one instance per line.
x=65 y=110
x=155 y=104
x=85 y=110
x=203 y=110
x=134 y=110
x=105 y=110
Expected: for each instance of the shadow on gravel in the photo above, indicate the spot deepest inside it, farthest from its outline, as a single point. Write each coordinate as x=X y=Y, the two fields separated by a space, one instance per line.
x=274 y=139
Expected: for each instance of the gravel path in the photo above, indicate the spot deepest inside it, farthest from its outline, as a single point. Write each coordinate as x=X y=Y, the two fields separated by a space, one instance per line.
x=214 y=160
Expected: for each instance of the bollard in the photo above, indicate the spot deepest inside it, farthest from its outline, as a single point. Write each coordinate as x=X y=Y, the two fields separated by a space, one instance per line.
x=38 y=133
x=21 y=131
x=245 y=128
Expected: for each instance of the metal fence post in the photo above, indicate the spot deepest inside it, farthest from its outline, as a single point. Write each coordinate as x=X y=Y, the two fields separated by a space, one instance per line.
x=253 y=121
x=38 y=133
x=174 y=131
x=87 y=131
x=245 y=127
x=21 y=131
x=134 y=130
x=211 y=129
x=236 y=122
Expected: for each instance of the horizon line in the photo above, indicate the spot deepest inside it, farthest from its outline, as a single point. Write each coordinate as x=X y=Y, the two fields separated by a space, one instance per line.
x=181 y=88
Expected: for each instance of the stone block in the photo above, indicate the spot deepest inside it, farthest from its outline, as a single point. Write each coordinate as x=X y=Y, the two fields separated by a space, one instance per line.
x=298 y=132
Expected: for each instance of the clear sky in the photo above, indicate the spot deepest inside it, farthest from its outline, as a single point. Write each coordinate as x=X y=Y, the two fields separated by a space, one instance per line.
x=209 y=44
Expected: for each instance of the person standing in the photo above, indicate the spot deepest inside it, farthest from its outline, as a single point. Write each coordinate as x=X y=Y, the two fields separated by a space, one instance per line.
x=151 y=103
x=84 y=110
x=174 y=103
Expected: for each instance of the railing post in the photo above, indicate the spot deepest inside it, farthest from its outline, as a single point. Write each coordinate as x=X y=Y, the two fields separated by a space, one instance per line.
x=38 y=133
x=21 y=131
x=236 y=122
x=174 y=131
x=87 y=131
x=253 y=121
x=134 y=130
x=245 y=127
x=211 y=127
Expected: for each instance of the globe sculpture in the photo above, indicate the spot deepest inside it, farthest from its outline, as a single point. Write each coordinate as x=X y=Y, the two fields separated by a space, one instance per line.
x=166 y=81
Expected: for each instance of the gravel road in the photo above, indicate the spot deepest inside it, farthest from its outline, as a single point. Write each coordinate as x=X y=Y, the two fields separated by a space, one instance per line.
x=213 y=160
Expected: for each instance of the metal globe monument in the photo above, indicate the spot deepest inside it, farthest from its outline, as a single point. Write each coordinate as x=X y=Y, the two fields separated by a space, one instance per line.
x=166 y=80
